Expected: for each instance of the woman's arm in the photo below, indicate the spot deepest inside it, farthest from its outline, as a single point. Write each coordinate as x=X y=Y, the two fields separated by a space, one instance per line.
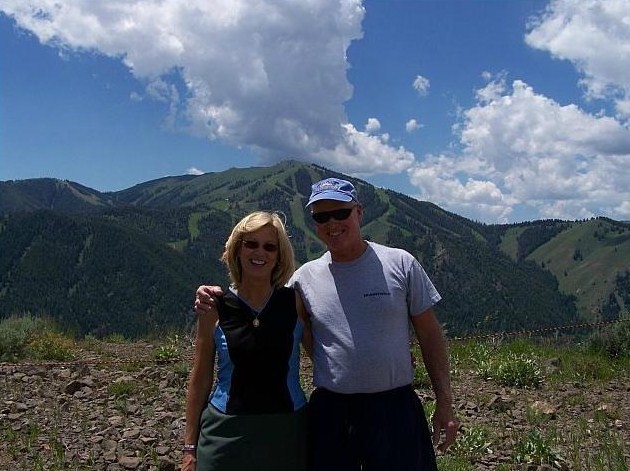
x=200 y=382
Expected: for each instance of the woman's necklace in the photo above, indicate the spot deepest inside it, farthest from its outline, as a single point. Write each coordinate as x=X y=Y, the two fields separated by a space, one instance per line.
x=255 y=312
x=255 y=322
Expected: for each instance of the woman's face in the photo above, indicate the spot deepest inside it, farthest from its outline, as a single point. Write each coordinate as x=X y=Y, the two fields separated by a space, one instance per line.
x=258 y=254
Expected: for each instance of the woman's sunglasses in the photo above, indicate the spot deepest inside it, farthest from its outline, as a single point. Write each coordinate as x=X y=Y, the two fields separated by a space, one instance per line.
x=337 y=214
x=254 y=244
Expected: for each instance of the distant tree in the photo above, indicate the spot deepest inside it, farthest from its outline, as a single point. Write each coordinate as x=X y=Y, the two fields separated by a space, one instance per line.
x=611 y=309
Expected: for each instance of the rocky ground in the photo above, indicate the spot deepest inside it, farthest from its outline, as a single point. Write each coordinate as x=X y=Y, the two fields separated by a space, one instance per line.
x=120 y=409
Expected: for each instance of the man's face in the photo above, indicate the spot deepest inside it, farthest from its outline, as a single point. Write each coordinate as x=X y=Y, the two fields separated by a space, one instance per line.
x=339 y=227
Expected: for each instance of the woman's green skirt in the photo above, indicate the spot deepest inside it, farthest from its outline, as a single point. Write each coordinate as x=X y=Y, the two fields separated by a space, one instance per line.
x=260 y=442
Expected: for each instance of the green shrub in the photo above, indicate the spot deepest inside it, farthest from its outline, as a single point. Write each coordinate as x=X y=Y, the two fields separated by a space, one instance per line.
x=429 y=410
x=583 y=366
x=481 y=353
x=464 y=355
x=169 y=351
x=51 y=346
x=521 y=346
x=537 y=417
x=122 y=388
x=15 y=332
x=614 y=342
x=182 y=369
x=90 y=342
x=473 y=444
x=115 y=338
x=421 y=378
x=511 y=369
x=535 y=449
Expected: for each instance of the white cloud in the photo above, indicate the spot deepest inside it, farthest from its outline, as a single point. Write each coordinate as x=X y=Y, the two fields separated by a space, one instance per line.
x=622 y=211
x=135 y=96
x=361 y=153
x=440 y=181
x=421 y=85
x=595 y=36
x=519 y=151
x=269 y=75
x=194 y=171
x=165 y=92
x=412 y=125
x=524 y=149
x=493 y=90
x=373 y=125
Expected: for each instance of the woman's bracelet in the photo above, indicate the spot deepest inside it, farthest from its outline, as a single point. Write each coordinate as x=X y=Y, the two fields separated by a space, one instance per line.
x=189 y=447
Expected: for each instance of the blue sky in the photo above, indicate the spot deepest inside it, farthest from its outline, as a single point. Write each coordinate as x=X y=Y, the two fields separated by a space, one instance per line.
x=498 y=110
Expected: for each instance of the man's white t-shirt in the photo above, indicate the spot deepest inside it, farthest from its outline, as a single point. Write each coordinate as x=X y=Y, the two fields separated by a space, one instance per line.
x=360 y=314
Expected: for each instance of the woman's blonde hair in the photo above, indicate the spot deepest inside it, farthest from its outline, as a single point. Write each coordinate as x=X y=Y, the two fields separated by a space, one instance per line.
x=285 y=264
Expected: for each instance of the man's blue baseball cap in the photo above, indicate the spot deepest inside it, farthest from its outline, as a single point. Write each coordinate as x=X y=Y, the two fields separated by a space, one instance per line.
x=332 y=189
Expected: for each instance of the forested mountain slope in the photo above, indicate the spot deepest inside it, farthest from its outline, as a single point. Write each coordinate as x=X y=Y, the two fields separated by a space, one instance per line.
x=129 y=261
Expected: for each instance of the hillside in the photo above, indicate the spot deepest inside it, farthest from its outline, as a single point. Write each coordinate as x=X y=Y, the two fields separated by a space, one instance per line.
x=51 y=194
x=129 y=261
x=92 y=274
x=590 y=259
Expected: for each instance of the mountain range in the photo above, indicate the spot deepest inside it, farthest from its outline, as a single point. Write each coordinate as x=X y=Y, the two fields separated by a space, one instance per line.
x=129 y=261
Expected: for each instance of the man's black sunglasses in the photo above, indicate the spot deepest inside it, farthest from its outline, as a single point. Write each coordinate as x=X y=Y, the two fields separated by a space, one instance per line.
x=254 y=244
x=337 y=214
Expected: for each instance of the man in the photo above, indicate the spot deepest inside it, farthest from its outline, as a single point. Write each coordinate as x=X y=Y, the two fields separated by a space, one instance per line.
x=360 y=297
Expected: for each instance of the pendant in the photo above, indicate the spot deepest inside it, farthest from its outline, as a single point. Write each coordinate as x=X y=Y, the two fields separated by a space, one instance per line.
x=256 y=322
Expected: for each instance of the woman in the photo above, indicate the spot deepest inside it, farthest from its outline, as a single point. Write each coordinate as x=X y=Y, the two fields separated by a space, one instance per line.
x=254 y=417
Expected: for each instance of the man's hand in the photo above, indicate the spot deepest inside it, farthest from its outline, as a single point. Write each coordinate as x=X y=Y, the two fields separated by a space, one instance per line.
x=444 y=424
x=205 y=298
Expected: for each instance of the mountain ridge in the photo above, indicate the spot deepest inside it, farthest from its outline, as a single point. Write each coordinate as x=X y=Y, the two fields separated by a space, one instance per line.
x=492 y=277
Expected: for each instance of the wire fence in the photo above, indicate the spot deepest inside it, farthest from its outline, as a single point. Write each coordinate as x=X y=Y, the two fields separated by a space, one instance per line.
x=540 y=331
x=188 y=357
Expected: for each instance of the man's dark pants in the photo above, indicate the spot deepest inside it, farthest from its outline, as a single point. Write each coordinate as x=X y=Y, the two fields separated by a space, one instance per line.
x=384 y=431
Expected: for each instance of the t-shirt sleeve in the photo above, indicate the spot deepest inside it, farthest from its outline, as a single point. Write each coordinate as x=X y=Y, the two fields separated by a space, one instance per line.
x=422 y=293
